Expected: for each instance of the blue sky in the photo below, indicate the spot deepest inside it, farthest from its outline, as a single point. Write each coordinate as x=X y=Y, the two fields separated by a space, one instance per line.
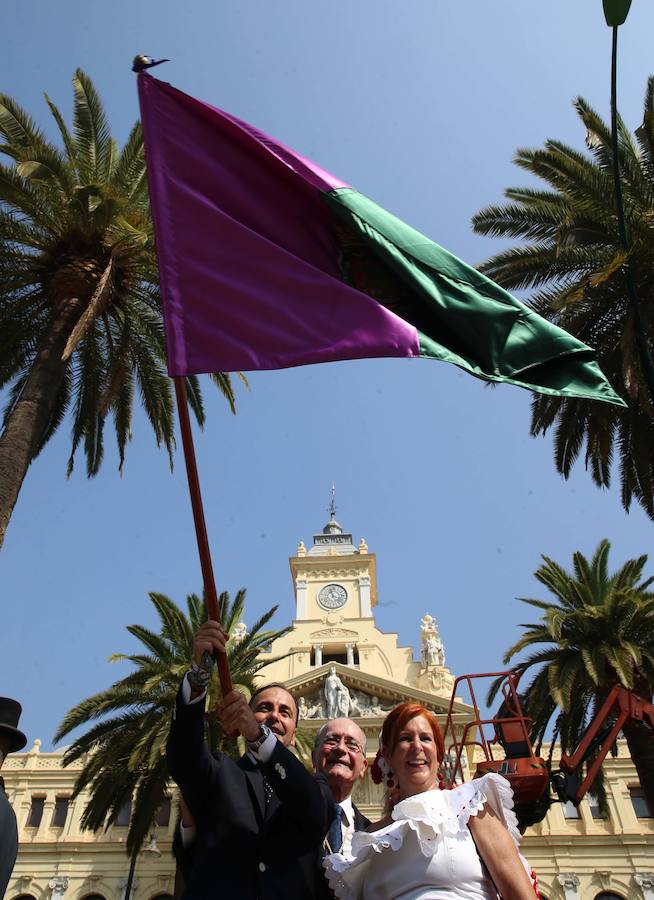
x=421 y=105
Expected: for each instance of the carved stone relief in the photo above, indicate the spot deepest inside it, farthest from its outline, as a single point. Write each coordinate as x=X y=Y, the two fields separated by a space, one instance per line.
x=335 y=700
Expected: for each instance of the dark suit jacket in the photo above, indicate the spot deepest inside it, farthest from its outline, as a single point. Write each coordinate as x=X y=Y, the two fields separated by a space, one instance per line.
x=245 y=850
x=8 y=841
x=323 y=891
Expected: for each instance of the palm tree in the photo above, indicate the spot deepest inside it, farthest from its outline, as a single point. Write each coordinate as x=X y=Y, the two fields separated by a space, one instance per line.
x=598 y=632
x=126 y=761
x=80 y=315
x=573 y=262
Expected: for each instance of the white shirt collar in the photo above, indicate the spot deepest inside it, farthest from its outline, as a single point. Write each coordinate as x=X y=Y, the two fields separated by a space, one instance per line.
x=347 y=807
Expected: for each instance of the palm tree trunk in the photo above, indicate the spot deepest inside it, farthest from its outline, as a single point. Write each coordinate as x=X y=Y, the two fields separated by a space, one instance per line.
x=640 y=741
x=33 y=409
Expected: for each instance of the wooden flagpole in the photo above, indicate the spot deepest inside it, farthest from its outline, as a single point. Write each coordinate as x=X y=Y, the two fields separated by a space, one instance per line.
x=139 y=65
x=200 y=525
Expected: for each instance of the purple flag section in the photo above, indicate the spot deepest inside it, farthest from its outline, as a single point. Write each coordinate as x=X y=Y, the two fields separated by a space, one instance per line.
x=248 y=260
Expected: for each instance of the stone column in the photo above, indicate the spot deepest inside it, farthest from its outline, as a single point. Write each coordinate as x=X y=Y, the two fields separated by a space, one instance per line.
x=569 y=881
x=349 y=649
x=301 y=598
x=364 y=594
x=645 y=881
x=318 y=654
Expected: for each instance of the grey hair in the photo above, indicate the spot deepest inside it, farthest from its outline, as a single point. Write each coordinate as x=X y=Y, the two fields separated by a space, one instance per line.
x=322 y=731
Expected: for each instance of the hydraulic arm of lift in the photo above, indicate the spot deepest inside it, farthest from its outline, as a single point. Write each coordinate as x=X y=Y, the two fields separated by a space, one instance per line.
x=510 y=729
x=620 y=703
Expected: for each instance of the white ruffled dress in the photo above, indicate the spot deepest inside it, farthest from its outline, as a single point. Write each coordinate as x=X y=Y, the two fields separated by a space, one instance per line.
x=427 y=853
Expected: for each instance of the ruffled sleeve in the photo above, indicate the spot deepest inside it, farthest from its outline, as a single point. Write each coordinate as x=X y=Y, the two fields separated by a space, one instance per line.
x=430 y=816
x=490 y=790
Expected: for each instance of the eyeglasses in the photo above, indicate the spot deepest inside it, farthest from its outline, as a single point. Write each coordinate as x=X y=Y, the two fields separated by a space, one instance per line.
x=334 y=740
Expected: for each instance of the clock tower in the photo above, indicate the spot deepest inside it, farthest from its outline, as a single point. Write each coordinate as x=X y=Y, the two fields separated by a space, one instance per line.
x=334 y=580
x=335 y=587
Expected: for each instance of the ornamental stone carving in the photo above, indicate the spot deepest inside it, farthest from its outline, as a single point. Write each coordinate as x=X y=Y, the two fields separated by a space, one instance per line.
x=645 y=881
x=337 y=696
x=327 y=634
x=239 y=633
x=569 y=881
x=336 y=700
x=58 y=885
x=432 y=651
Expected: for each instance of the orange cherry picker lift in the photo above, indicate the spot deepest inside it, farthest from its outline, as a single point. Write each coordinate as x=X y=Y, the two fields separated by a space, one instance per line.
x=505 y=744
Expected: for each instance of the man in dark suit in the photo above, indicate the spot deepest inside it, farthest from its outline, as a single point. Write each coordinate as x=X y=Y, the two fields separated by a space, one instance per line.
x=261 y=820
x=11 y=740
x=339 y=754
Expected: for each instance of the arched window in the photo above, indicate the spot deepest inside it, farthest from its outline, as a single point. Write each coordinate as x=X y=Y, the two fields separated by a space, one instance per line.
x=94 y=897
x=608 y=895
x=24 y=897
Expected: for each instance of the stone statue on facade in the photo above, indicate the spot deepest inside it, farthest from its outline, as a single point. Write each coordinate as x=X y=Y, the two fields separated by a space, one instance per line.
x=343 y=702
x=337 y=696
x=432 y=651
x=365 y=706
x=336 y=700
x=239 y=633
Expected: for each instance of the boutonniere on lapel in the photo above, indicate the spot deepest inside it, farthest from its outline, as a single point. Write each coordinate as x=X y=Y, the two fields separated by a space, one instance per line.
x=281 y=771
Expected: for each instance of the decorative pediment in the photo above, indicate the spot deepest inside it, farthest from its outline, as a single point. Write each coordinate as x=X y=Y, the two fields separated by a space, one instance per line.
x=334 y=634
x=335 y=700
x=335 y=690
x=335 y=574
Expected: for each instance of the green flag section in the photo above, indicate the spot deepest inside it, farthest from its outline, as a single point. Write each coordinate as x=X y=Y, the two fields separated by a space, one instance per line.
x=462 y=317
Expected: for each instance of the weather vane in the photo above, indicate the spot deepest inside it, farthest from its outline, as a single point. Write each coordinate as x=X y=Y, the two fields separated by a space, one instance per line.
x=331 y=509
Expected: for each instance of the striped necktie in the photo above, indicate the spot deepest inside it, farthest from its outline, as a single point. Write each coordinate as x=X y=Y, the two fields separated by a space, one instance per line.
x=267 y=790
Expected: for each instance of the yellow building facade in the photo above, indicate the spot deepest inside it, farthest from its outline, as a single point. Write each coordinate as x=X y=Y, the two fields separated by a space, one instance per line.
x=338 y=663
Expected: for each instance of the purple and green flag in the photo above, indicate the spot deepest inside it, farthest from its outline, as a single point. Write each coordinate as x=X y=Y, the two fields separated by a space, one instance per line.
x=267 y=261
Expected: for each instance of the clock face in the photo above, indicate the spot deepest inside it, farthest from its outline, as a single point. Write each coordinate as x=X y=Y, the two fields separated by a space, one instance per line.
x=332 y=596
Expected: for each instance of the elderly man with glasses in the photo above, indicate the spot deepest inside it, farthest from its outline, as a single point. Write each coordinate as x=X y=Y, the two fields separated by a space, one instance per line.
x=339 y=755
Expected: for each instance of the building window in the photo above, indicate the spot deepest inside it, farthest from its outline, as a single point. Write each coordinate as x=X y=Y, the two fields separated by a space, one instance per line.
x=163 y=814
x=570 y=811
x=335 y=654
x=329 y=656
x=593 y=806
x=124 y=814
x=608 y=895
x=639 y=803
x=60 y=812
x=36 y=812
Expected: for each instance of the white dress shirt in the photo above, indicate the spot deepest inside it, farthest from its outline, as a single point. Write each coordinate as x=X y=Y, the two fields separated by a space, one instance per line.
x=347 y=825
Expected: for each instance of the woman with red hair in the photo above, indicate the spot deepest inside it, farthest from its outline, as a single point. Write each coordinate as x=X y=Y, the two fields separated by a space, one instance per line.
x=435 y=844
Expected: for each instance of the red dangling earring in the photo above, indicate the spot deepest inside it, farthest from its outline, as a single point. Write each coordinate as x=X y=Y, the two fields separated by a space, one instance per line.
x=441 y=782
